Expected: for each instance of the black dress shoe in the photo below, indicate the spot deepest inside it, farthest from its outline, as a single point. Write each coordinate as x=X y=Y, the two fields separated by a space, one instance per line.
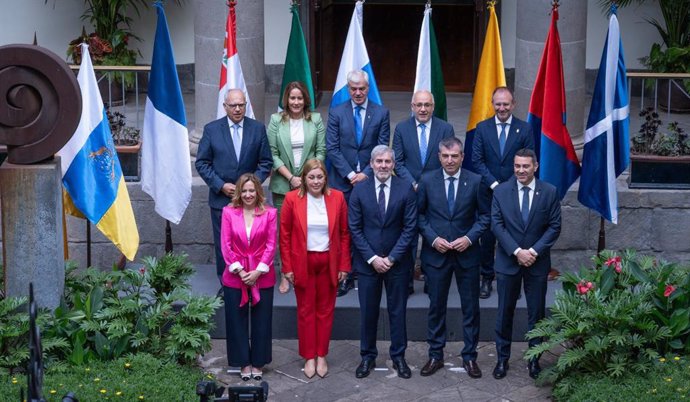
x=472 y=368
x=345 y=286
x=431 y=367
x=365 y=368
x=534 y=368
x=485 y=289
x=501 y=369
x=400 y=365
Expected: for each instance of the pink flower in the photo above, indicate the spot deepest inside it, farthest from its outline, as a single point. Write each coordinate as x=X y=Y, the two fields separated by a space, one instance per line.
x=142 y=270
x=584 y=287
x=616 y=261
x=669 y=290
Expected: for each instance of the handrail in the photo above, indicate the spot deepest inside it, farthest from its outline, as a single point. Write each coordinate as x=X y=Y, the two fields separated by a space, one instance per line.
x=114 y=68
x=671 y=76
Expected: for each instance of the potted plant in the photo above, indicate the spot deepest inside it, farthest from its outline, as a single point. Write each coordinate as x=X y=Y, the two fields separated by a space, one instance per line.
x=671 y=56
x=659 y=159
x=127 y=144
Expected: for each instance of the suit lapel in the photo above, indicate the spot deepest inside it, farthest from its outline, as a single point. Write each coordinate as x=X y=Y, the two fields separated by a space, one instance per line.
x=493 y=138
x=309 y=138
x=301 y=215
x=367 y=119
x=331 y=210
x=285 y=140
x=226 y=138
x=513 y=132
x=536 y=200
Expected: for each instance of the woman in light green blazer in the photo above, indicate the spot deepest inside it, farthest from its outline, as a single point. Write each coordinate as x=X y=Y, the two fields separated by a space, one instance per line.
x=295 y=135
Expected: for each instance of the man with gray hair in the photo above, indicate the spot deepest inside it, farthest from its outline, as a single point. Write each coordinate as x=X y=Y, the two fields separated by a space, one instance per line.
x=382 y=218
x=354 y=129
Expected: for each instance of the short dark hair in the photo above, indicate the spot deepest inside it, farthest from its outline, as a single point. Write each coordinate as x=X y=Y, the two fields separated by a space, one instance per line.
x=527 y=153
x=449 y=142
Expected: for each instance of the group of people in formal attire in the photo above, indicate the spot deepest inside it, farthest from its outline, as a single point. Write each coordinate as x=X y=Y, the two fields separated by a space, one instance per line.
x=361 y=215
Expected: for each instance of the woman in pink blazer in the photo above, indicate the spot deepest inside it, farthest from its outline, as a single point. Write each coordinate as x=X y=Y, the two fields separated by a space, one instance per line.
x=248 y=241
x=315 y=252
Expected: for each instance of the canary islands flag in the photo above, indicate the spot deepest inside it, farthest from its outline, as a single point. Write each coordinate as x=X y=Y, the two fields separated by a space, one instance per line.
x=91 y=173
x=355 y=57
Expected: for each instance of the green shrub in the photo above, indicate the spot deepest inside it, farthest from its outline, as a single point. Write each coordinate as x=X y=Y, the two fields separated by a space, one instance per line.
x=668 y=379
x=615 y=318
x=129 y=378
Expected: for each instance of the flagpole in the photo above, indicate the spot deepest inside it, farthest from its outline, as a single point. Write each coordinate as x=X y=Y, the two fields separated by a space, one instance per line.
x=168 y=237
x=88 y=243
x=602 y=236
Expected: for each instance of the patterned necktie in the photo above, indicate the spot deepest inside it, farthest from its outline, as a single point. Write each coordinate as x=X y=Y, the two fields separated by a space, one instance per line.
x=502 y=138
x=525 y=204
x=236 y=140
x=358 y=125
x=422 y=143
x=451 y=194
x=382 y=201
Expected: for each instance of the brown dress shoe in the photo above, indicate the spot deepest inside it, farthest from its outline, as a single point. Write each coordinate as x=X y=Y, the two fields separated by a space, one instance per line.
x=432 y=366
x=472 y=368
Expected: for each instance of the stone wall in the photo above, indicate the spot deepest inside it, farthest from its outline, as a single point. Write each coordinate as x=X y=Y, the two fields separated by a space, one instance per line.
x=653 y=221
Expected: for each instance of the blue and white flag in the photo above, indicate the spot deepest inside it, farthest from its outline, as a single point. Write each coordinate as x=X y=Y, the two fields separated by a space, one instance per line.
x=355 y=57
x=166 y=173
x=606 y=152
x=91 y=173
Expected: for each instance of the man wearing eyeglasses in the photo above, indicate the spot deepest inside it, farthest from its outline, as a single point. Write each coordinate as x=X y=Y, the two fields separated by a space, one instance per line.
x=230 y=147
x=415 y=143
x=495 y=143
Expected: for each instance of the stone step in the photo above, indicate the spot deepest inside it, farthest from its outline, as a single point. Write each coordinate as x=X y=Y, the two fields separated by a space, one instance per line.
x=346 y=321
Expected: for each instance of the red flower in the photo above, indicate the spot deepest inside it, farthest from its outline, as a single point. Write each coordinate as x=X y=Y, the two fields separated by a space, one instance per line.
x=616 y=261
x=669 y=290
x=584 y=287
x=142 y=270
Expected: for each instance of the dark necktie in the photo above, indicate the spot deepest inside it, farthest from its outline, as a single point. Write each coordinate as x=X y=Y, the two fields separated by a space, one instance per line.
x=451 y=194
x=358 y=125
x=422 y=143
x=236 y=140
x=502 y=138
x=525 y=204
x=382 y=201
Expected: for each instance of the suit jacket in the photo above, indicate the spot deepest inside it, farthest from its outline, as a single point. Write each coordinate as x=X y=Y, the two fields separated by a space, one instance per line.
x=259 y=249
x=541 y=232
x=470 y=216
x=280 y=141
x=391 y=237
x=341 y=143
x=486 y=152
x=293 y=235
x=408 y=161
x=217 y=163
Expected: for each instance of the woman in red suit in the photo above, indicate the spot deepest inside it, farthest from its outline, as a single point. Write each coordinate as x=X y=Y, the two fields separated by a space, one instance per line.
x=248 y=242
x=316 y=255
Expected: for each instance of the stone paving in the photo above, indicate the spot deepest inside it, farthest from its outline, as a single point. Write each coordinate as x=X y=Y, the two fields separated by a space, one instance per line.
x=287 y=383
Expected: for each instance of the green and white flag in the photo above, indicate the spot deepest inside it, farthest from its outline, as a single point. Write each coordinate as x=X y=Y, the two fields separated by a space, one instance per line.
x=297 y=59
x=429 y=74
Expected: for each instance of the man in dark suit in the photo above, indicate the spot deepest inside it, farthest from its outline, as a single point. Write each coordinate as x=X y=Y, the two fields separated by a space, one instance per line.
x=382 y=219
x=453 y=206
x=495 y=143
x=415 y=143
x=526 y=219
x=354 y=129
x=230 y=147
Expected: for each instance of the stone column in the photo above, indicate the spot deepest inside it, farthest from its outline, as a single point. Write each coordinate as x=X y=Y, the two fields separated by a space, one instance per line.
x=209 y=35
x=533 y=22
x=33 y=231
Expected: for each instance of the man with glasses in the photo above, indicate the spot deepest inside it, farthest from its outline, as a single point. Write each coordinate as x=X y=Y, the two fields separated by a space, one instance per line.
x=415 y=143
x=495 y=143
x=354 y=129
x=230 y=147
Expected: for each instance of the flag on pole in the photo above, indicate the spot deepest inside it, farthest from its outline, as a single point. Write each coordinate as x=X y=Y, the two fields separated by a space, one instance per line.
x=297 y=66
x=489 y=76
x=355 y=57
x=558 y=163
x=91 y=172
x=231 y=69
x=429 y=75
x=606 y=153
x=166 y=173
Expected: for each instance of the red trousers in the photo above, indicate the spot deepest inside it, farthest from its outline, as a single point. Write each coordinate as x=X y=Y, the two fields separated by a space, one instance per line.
x=315 y=306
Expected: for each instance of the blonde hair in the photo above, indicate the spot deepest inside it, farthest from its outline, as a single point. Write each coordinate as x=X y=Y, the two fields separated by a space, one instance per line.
x=260 y=198
x=310 y=165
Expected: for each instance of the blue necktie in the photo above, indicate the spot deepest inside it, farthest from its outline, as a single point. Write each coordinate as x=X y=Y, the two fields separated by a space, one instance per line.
x=382 y=202
x=525 y=204
x=236 y=140
x=502 y=138
x=422 y=143
x=358 y=125
x=451 y=194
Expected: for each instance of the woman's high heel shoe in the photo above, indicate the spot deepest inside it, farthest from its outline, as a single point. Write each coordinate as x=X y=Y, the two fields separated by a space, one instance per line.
x=258 y=374
x=246 y=376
